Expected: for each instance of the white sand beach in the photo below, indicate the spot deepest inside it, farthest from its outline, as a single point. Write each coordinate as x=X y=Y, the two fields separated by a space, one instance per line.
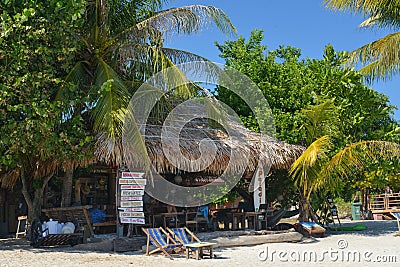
x=375 y=246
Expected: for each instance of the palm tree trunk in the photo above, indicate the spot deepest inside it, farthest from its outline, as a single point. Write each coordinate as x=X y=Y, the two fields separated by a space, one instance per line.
x=67 y=188
x=304 y=208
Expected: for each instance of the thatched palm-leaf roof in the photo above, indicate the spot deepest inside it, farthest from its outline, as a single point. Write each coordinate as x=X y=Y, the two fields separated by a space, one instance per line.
x=279 y=154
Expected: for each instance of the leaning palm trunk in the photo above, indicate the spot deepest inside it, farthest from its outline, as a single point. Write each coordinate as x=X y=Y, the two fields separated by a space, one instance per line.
x=304 y=210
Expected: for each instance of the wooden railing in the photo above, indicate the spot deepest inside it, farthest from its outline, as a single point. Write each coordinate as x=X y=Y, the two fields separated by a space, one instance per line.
x=384 y=202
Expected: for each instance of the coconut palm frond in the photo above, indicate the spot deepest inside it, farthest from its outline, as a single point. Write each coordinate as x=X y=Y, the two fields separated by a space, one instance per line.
x=382 y=57
x=370 y=22
x=197 y=65
x=307 y=167
x=381 y=21
x=383 y=13
x=217 y=112
x=183 y=64
x=133 y=142
x=124 y=14
x=78 y=75
x=318 y=116
x=109 y=110
x=181 y=20
x=156 y=68
x=355 y=156
x=362 y=6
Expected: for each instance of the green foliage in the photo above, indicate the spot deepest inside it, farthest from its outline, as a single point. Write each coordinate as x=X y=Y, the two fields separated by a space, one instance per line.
x=37 y=46
x=311 y=99
x=290 y=85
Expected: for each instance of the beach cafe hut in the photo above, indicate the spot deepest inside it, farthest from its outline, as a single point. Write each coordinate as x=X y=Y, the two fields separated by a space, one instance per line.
x=98 y=188
x=261 y=150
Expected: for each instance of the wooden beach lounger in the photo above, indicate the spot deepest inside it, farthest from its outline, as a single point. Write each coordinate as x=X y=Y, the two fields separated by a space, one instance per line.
x=310 y=228
x=162 y=241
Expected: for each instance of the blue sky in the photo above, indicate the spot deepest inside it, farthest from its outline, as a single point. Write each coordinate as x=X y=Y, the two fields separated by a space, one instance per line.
x=307 y=25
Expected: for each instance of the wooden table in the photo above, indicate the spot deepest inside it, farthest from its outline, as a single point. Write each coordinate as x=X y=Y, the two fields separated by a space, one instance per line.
x=198 y=247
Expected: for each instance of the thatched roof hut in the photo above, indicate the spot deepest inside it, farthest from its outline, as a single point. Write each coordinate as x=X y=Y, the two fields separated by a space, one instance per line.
x=205 y=147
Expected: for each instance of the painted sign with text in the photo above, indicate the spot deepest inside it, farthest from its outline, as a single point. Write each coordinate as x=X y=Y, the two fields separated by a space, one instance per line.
x=131 y=187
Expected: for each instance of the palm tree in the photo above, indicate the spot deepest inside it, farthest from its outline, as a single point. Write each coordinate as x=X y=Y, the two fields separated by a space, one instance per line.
x=380 y=58
x=122 y=45
x=319 y=168
x=314 y=170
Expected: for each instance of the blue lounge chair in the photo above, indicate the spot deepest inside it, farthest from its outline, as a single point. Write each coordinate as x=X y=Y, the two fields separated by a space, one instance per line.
x=181 y=235
x=162 y=241
x=397 y=216
x=310 y=228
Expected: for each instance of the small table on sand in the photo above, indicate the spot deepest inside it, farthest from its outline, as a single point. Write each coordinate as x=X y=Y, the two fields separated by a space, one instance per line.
x=198 y=248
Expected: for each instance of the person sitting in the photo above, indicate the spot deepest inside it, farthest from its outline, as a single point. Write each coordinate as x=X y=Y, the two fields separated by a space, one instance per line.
x=172 y=209
x=388 y=190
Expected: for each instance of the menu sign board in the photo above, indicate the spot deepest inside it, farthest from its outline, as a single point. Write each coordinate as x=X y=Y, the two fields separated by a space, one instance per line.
x=132 y=220
x=131 y=187
x=132 y=193
x=131 y=209
x=131 y=214
x=131 y=198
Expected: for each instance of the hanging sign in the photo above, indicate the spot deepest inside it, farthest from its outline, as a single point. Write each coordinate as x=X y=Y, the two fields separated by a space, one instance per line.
x=131 y=209
x=259 y=187
x=132 y=220
x=131 y=198
x=132 y=181
x=131 y=193
x=131 y=214
x=132 y=174
x=130 y=186
x=125 y=204
x=135 y=186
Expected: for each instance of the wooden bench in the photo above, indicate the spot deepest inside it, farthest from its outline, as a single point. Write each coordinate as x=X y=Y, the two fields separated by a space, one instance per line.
x=105 y=224
x=76 y=214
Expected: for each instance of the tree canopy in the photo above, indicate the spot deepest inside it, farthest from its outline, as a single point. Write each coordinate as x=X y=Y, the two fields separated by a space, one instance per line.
x=68 y=71
x=311 y=99
x=291 y=84
x=38 y=43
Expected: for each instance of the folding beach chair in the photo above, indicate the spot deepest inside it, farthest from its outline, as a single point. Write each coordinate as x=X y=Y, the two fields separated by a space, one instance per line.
x=310 y=228
x=162 y=240
x=397 y=216
x=191 y=242
x=181 y=235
